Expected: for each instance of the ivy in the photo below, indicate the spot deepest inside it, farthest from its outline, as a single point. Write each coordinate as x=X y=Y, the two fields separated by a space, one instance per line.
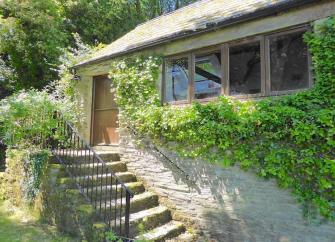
x=35 y=168
x=290 y=138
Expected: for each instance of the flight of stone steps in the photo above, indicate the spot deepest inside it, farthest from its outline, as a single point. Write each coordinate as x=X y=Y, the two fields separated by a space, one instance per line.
x=155 y=220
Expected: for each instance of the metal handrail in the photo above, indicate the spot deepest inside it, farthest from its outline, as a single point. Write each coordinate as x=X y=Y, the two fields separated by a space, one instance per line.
x=98 y=157
x=93 y=177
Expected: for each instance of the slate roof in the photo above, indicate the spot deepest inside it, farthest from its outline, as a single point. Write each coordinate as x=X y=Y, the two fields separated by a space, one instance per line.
x=201 y=16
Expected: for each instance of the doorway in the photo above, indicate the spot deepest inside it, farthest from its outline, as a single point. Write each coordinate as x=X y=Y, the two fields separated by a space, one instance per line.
x=105 y=113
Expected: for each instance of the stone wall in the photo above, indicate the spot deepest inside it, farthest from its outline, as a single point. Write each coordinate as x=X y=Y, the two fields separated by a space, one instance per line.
x=225 y=204
x=84 y=97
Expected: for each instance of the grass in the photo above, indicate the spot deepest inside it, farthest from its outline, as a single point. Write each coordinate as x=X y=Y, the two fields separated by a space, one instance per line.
x=19 y=225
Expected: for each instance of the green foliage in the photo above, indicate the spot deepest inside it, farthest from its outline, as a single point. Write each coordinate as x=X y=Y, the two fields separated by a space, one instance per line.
x=36 y=35
x=100 y=21
x=35 y=168
x=290 y=138
x=31 y=40
x=27 y=117
x=112 y=237
x=24 y=174
x=106 y=20
x=18 y=224
x=135 y=84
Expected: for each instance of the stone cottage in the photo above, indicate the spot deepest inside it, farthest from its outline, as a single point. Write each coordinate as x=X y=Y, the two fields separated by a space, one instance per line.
x=254 y=49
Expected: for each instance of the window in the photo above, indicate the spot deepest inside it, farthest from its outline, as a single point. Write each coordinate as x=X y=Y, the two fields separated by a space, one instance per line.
x=288 y=62
x=263 y=65
x=176 y=80
x=245 y=69
x=207 y=78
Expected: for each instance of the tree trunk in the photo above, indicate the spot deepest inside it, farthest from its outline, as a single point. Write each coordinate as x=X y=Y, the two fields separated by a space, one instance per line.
x=138 y=8
x=177 y=4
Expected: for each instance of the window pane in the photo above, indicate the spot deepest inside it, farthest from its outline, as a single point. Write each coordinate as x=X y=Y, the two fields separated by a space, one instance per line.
x=207 y=78
x=245 y=69
x=176 y=80
x=289 y=62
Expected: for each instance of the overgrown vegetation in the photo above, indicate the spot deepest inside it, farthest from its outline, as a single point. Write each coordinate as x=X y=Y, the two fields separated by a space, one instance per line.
x=35 y=34
x=31 y=42
x=27 y=117
x=35 y=168
x=23 y=177
x=290 y=138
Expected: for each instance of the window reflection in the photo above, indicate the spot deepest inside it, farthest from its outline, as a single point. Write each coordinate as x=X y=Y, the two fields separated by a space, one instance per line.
x=288 y=62
x=245 y=69
x=207 y=79
x=176 y=80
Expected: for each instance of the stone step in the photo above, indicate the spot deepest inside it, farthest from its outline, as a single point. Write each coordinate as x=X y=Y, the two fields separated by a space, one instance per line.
x=146 y=219
x=88 y=181
x=98 y=168
x=86 y=156
x=104 y=192
x=81 y=153
x=109 y=156
x=185 y=237
x=169 y=230
x=104 y=179
x=138 y=203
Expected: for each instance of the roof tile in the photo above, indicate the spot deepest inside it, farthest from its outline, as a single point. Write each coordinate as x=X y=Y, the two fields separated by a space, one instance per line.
x=194 y=17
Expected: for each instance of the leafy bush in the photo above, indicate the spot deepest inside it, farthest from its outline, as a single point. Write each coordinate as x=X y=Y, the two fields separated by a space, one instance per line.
x=32 y=38
x=290 y=138
x=135 y=85
x=27 y=117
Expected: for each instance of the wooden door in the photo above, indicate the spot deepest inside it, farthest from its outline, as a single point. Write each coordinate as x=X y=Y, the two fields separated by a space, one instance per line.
x=105 y=113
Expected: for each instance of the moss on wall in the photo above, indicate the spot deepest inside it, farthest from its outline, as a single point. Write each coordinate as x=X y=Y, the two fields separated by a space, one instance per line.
x=13 y=177
x=57 y=203
x=64 y=207
x=2 y=186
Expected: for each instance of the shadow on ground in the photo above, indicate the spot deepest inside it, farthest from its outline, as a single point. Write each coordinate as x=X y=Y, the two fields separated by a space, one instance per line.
x=17 y=225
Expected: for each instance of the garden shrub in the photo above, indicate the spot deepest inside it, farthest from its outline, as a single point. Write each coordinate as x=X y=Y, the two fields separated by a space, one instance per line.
x=290 y=138
x=28 y=117
x=27 y=125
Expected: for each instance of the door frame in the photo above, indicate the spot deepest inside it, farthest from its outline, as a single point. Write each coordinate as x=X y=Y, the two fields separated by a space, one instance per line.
x=92 y=109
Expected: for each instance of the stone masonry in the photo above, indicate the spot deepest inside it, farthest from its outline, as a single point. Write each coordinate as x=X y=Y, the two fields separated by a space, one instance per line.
x=225 y=204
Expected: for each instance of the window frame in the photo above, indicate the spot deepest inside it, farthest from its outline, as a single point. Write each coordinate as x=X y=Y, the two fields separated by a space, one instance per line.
x=264 y=40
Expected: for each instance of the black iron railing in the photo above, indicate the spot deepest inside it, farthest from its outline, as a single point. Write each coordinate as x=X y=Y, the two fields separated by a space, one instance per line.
x=93 y=177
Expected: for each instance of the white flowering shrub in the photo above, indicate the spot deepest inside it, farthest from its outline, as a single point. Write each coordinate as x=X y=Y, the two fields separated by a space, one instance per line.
x=26 y=118
x=134 y=83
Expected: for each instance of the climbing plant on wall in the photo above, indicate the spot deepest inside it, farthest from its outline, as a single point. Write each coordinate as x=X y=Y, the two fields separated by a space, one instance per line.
x=290 y=138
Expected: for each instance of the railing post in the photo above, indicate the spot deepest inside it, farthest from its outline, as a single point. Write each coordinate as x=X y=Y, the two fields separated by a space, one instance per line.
x=127 y=214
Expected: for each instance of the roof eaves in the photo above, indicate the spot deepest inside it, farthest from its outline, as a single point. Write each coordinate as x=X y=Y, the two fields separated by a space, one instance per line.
x=263 y=12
